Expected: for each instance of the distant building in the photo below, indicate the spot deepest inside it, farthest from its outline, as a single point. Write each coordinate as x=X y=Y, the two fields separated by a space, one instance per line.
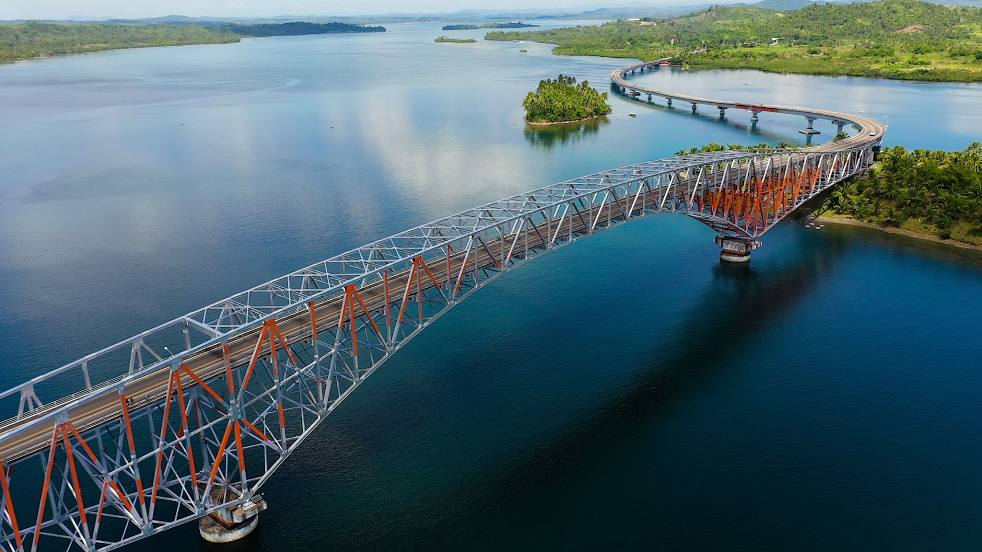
x=633 y=19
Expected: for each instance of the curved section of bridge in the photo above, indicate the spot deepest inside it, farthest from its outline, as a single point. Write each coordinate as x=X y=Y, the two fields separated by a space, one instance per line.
x=869 y=131
x=186 y=421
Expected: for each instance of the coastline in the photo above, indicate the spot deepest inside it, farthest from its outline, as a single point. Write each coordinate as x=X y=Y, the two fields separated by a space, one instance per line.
x=845 y=220
x=557 y=123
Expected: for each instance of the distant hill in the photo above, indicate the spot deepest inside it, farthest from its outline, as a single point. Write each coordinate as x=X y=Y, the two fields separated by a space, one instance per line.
x=903 y=39
x=783 y=5
x=33 y=39
x=299 y=28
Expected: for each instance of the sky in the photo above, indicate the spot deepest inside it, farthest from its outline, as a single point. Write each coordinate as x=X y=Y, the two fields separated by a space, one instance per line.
x=58 y=9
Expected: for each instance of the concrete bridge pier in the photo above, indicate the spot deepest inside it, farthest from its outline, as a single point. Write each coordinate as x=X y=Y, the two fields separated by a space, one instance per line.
x=839 y=125
x=669 y=102
x=232 y=524
x=754 y=116
x=649 y=98
x=722 y=111
x=810 y=129
x=693 y=108
x=735 y=250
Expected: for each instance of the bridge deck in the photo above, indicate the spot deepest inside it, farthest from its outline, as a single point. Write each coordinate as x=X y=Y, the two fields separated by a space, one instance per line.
x=870 y=130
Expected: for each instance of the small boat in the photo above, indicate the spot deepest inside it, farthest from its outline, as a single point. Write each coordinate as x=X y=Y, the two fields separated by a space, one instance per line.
x=634 y=93
x=632 y=114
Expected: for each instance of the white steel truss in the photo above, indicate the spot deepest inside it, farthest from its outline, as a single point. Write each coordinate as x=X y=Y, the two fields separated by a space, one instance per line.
x=146 y=440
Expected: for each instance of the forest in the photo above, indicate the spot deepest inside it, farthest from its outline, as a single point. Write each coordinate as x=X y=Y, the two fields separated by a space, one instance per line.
x=563 y=100
x=300 y=28
x=32 y=40
x=926 y=191
x=900 y=39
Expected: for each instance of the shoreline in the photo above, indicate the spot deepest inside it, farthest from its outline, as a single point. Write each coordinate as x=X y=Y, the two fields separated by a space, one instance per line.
x=566 y=51
x=845 y=220
x=542 y=124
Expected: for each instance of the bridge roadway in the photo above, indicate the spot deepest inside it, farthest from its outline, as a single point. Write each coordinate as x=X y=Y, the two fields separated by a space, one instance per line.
x=210 y=362
x=869 y=130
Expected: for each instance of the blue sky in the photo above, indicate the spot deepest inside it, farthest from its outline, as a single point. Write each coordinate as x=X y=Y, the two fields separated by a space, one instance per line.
x=44 y=9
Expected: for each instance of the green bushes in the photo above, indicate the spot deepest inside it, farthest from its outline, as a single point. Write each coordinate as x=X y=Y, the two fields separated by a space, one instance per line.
x=927 y=190
x=563 y=100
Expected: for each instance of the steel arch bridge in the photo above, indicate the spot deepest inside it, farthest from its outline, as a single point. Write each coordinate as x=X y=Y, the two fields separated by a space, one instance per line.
x=135 y=439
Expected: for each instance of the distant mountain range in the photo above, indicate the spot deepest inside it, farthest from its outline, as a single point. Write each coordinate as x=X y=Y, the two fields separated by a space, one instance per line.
x=609 y=12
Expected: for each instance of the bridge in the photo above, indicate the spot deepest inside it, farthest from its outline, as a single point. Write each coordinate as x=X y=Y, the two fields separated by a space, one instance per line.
x=188 y=420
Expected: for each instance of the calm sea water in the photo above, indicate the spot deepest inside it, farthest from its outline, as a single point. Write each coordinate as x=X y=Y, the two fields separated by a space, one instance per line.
x=628 y=392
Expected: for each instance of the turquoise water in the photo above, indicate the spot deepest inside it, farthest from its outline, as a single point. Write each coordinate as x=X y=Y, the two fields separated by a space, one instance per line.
x=628 y=392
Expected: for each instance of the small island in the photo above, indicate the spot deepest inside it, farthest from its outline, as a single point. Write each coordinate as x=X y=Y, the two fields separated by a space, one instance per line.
x=454 y=40
x=508 y=25
x=471 y=27
x=296 y=28
x=564 y=101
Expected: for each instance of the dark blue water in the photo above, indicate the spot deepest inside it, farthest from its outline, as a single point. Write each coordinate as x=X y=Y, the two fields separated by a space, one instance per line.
x=627 y=392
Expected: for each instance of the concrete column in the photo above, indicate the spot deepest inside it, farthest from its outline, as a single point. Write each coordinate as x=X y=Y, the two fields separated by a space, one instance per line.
x=735 y=250
x=810 y=129
x=669 y=102
x=722 y=111
x=649 y=98
x=693 y=108
x=232 y=524
x=755 y=116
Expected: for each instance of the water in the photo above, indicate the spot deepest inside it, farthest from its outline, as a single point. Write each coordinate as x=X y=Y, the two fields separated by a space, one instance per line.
x=627 y=392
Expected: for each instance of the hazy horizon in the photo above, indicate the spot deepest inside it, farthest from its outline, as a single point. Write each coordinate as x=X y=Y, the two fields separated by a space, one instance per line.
x=99 y=9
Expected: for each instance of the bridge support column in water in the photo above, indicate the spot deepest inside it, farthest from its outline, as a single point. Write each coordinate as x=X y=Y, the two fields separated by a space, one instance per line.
x=232 y=524
x=735 y=250
x=810 y=130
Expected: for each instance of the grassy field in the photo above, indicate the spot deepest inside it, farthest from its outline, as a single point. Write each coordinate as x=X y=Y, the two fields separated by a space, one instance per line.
x=897 y=39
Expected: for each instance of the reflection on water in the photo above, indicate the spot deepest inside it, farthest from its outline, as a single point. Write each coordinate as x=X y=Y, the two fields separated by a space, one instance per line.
x=547 y=136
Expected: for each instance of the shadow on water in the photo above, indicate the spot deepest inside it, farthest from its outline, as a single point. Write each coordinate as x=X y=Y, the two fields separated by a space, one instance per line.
x=741 y=301
x=548 y=136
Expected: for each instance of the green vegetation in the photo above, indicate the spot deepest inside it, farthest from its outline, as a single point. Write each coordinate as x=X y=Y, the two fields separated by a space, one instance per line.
x=563 y=101
x=454 y=40
x=301 y=28
x=742 y=147
x=509 y=25
x=899 y=39
x=938 y=193
x=32 y=40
